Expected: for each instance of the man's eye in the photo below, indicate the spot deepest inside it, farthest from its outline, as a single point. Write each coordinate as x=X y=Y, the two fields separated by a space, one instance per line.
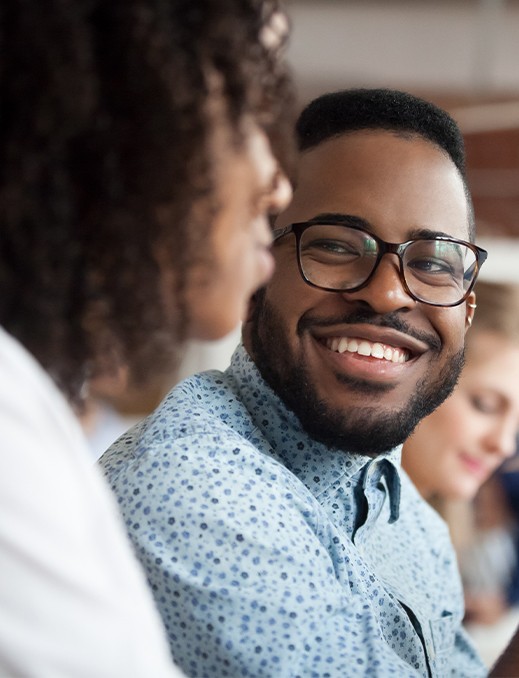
x=332 y=247
x=431 y=265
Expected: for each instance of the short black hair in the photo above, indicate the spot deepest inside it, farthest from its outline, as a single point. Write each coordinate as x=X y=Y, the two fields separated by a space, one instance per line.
x=337 y=113
x=350 y=110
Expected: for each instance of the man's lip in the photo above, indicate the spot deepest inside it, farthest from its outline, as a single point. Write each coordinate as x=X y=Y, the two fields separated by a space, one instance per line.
x=375 y=334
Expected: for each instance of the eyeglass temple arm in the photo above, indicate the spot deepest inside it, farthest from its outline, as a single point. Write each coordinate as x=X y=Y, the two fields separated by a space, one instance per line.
x=280 y=232
x=483 y=254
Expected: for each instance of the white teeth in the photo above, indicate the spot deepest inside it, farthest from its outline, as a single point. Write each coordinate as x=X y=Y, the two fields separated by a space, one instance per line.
x=343 y=345
x=377 y=351
x=353 y=346
x=365 y=348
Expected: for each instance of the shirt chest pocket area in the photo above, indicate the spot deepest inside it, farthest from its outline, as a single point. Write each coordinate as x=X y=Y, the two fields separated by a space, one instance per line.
x=442 y=633
x=438 y=637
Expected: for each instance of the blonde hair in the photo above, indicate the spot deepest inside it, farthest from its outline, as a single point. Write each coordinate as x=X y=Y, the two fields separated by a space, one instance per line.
x=497 y=310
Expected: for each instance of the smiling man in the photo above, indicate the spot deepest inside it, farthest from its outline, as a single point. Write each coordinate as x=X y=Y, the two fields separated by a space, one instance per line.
x=267 y=503
x=385 y=349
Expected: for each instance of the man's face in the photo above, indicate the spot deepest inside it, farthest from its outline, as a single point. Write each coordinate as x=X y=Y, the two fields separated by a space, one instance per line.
x=363 y=403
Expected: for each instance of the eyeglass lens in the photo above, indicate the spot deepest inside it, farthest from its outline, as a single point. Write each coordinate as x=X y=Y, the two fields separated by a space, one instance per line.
x=342 y=258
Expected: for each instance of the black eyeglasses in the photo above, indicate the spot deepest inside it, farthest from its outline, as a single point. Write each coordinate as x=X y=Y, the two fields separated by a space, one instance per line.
x=439 y=271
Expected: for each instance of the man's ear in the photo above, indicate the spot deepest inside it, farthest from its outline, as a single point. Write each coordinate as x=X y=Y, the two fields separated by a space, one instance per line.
x=470 y=309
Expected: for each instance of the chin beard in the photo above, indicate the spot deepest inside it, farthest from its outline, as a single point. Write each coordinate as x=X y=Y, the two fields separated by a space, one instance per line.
x=360 y=430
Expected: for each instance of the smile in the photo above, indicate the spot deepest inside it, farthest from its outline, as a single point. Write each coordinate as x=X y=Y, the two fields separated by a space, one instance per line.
x=367 y=348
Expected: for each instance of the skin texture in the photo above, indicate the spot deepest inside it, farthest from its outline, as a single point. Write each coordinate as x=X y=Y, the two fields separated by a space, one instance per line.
x=250 y=185
x=455 y=449
x=400 y=186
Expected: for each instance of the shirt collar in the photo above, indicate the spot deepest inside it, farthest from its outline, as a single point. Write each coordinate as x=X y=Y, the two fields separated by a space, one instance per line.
x=318 y=466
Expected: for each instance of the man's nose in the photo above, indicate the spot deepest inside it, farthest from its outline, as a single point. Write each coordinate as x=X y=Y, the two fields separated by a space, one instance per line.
x=385 y=291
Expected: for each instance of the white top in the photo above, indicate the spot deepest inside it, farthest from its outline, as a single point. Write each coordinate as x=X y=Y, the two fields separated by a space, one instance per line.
x=73 y=601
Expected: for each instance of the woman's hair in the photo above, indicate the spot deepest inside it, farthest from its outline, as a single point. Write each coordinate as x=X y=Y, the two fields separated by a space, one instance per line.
x=104 y=148
x=497 y=310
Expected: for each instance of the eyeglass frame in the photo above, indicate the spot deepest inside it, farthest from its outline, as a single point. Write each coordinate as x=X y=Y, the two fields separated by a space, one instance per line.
x=384 y=247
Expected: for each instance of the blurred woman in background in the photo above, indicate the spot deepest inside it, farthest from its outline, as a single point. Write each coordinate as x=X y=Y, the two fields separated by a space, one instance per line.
x=459 y=447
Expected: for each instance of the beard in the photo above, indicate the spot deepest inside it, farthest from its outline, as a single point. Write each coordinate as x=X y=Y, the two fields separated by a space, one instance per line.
x=364 y=430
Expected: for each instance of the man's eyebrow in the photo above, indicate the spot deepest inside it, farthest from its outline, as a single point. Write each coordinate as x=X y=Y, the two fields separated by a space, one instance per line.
x=427 y=233
x=341 y=218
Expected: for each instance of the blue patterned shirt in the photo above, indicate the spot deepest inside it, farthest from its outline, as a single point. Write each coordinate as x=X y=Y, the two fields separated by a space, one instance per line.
x=272 y=555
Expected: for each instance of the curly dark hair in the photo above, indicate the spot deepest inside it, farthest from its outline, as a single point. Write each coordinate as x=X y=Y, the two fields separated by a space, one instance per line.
x=104 y=148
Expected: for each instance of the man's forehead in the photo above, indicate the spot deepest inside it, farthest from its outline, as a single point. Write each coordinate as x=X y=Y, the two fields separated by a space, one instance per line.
x=384 y=178
x=375 y=148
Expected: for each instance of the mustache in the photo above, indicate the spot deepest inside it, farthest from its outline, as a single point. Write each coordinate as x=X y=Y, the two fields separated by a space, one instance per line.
x=367 y=316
